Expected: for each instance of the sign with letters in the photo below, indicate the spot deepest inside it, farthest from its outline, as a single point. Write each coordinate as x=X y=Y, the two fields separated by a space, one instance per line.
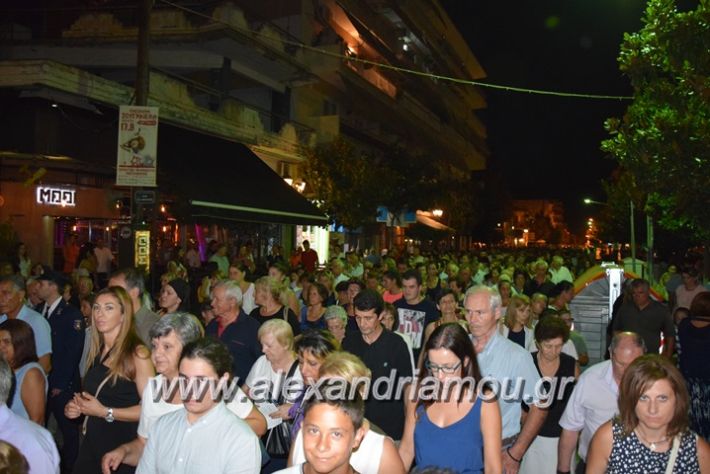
x=56 y=196
x=142 y=250
x=137 y=146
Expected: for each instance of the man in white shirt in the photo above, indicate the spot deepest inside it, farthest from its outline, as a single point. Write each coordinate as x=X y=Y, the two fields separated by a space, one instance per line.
x=203 y=436
x=34 y=442
x=104 y=259
x=690 y=288
x=558 y=272
x=594 y=399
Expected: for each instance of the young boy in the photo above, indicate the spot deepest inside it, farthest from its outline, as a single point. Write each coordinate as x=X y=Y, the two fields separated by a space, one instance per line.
x=332 y=428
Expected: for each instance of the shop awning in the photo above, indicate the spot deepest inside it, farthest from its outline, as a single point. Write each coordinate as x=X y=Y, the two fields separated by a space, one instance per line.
x=222 y=180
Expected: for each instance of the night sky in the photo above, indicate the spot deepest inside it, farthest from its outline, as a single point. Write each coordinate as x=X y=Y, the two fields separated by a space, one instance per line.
x=548 y=147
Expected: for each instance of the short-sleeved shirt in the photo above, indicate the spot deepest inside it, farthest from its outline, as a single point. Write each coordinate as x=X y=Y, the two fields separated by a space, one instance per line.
x=592 y=403
x=145 y=318
x=648 y=323
x=505 y=361
x=387 y=357
x=413 y=318
x=241 y=339
x=262 y=373
x=40 y=327
x=33 y=441
x=685 y=297
x=152 y=410
x=218 y=441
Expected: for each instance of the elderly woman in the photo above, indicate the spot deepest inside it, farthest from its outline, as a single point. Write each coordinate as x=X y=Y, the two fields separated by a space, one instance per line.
x=312 y=314
x=17 y=345
x=174 y=296
x=161 y=395
x=550 y=335
x=651 y=433
x=336 y=321
x=268 y=296
x=377 y=453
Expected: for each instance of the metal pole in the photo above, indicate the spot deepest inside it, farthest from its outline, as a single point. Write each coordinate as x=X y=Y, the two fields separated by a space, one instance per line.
x=633 y=238
x=649 y=247
x=143 y=58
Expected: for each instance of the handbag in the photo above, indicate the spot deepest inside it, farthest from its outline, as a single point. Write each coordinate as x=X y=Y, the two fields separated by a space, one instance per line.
x=278 y=439
x=86 y=417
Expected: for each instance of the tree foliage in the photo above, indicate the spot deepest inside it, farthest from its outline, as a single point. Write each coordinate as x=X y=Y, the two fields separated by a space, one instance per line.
x=349 y=184
x=663 y=139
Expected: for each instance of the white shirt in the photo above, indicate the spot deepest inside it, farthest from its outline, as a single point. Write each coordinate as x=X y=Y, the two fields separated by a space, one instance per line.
x=563 y=274
x=264 y=384
x=49 y=308
x=218 y=442
x=33 y=441
x=248 y=303
x=365 y=459
x=151 y=410
x=593 y=402
x=104 y=257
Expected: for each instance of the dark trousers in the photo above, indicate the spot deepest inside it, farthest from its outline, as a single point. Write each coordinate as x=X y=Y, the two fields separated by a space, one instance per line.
x=581 y=467
x=68 y=428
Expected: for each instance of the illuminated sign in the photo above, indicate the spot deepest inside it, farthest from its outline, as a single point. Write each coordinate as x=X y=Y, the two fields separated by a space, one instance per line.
x=56 y=196
x=142 y=250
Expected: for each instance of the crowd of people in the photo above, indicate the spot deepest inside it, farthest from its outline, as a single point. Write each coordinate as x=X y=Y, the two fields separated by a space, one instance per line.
x=379 y=363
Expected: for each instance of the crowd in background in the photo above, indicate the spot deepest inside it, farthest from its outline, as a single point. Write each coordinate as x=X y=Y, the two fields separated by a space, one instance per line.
x=87 y=344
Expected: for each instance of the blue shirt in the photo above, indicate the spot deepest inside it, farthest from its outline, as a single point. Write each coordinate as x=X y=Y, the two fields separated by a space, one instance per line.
x=40 y=327
x=506 y=362
x=17 y=406
x=458 y=446
x=33 y=441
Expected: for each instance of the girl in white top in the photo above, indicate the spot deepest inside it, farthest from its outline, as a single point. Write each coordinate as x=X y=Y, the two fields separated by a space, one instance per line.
x=377 y=453
x=238 y=273
x=162 y=394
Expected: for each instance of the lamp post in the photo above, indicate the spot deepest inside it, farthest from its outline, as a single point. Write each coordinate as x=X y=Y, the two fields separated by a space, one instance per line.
x=633 y=228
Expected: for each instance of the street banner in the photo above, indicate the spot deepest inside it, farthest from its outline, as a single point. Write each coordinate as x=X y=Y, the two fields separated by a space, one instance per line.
x=137 y=162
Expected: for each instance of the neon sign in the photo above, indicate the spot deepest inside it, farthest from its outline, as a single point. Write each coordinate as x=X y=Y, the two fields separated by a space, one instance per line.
x=56 y=196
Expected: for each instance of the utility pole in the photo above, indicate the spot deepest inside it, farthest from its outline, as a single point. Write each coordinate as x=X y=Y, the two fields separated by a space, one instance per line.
x=143 y=59
x=633 y=237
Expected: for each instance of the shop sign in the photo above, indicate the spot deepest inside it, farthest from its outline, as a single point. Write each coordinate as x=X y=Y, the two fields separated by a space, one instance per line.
x=142 y=250
x=56 y=196
x=136 y=161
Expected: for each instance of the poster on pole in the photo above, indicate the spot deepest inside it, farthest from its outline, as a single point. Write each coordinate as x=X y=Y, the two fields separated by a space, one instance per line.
x=137 y=162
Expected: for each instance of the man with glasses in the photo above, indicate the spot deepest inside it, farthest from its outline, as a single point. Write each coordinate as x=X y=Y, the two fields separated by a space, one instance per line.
x=505 y=361
x=386 y=355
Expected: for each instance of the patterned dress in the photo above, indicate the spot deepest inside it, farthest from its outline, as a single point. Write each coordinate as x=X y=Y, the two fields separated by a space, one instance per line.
x=630 y=456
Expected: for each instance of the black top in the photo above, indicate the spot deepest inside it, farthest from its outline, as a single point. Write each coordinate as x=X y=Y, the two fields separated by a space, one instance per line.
x=67 y=325
x=552 y=428
x=695 y=342
x=532 y=286
x=517 y=337
x=291 y=318
x=648 y=323
x=241 y=339
x=387 y=357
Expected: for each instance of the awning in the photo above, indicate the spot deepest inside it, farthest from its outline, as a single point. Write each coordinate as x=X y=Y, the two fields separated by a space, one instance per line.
x=222 y=180
x=424 y=218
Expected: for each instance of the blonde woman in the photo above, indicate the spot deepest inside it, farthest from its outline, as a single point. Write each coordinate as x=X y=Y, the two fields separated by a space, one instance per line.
x=267 y=295
x=517 y=323
x=119 y=368
x=377 y=453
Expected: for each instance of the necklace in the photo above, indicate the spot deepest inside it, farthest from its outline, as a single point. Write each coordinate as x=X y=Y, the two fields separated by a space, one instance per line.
x=651 y=444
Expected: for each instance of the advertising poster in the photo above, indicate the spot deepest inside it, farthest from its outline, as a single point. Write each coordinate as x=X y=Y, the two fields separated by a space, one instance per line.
x=137 y=162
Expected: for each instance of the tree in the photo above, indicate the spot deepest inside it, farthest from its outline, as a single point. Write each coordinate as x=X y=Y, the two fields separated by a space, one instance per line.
x=663 y=139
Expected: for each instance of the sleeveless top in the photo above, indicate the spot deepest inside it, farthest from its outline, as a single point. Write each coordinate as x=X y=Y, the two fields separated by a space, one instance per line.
x=306 y=324
x=551 y=428
x=630 y=456
x=458 y=446
x=102 y=435
x=17 y=406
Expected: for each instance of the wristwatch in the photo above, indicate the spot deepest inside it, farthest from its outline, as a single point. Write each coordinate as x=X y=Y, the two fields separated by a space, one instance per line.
x=109 y=416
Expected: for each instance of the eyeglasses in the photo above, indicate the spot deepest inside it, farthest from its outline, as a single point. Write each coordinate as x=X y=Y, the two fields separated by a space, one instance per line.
x=433 y=368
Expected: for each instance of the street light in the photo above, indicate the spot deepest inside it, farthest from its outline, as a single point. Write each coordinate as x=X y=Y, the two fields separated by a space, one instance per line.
x=633 y=228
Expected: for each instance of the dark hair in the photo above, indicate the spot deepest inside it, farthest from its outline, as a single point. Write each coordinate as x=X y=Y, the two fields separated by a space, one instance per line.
x=551 y=327
x=318 y=342
x=640 y=282
x=638 y=377
x=322 y=291
x=280 y=267
x=23 y=341
x=241 y=266
x=393 y=275
x=445 y=292
x=701 y=304
x=369 y=299
x=211 y=350
x=690 y=270
x=560 y=288
x=517 y=272
x=412 y=274
x=342 y=286
x=356 y=281
x=133 y=277
x=389 y=307
x=454 y=338
x=340 y=394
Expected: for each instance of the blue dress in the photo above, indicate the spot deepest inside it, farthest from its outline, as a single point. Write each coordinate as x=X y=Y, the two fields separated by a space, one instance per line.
x=459 y=446
x=16 y=404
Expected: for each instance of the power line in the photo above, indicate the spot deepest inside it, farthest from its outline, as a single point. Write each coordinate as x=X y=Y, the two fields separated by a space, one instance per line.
x=406 y=70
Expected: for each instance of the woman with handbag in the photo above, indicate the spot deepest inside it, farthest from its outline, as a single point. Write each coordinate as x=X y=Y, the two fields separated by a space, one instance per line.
x=651 y=432
x=267 y=384
x=120 y=367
